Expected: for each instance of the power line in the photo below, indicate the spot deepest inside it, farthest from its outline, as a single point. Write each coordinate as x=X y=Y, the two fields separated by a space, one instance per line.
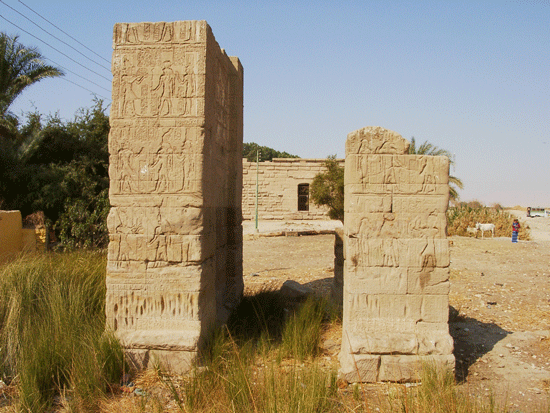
x=59 y=51
x=82 y=87
x=64 y=32
x=76 y=74
x=55 y=37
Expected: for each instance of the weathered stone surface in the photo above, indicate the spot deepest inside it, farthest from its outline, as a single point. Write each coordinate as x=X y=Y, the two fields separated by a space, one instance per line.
x=175 y=252
x=409 y=368
x=337 y=289
x=10 y=234
x=396 y=252
x=396 y=275
x=359 y=368
x=294 y=290
x=375 y=139
x=177 y=361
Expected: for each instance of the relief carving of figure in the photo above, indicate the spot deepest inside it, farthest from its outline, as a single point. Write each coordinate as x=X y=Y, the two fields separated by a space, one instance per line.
x=361 y=168
x=126 y=170
x=428 y=257
x=427 y=174
x=165 y=87
x=186 y=89
x=157 y=242
x=391 y=253
x=129 y=94
x=161 y=170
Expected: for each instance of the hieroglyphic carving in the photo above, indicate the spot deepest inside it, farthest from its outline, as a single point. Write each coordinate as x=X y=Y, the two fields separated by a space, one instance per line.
x=397 y=257
x=162 y=32
x=172 y=269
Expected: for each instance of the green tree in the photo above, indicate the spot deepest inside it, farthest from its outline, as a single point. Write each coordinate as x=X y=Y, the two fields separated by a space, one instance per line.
x=327 y=188
x=63 y=171
x=428 y=149
x=20 y=67
x=266 y=153
x=15 y=149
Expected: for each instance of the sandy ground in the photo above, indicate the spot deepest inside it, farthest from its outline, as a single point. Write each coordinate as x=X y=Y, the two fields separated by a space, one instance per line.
x=500 y=301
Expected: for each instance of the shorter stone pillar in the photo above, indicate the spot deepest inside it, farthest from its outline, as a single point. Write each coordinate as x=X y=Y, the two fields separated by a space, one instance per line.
x=396 y=270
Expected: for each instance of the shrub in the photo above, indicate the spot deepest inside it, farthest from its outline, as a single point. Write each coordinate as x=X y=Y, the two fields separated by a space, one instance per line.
x=327 y=188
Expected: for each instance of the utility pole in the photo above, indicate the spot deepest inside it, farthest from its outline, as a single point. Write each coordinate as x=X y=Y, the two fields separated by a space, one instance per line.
x=257 y=173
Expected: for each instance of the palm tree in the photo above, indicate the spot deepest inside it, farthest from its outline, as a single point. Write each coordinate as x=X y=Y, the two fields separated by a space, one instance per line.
x=20 y=67
x=429 y=149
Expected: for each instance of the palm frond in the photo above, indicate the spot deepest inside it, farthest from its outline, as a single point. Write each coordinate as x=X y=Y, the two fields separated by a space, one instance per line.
x=427 y=148
x=20 y=67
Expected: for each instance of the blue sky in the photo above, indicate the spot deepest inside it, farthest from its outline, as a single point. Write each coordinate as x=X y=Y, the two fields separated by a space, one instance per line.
x=472 y=77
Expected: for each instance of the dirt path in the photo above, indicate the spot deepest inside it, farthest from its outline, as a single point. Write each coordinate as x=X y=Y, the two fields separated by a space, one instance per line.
x=500 y=305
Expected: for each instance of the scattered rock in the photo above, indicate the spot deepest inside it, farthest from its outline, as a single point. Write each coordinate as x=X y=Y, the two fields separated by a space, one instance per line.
x=295 y=291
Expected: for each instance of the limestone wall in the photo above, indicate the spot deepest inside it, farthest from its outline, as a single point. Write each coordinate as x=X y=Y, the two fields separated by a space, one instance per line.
x=278 y=188
x=175 y=251
x=15 y=239
x=396 y=270
x=10 y=234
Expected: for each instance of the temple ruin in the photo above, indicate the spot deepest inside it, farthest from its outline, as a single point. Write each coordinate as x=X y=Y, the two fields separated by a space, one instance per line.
x=174 y=267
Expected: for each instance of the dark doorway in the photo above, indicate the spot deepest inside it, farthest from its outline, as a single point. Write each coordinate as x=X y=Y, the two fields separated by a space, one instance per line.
x=303 y=197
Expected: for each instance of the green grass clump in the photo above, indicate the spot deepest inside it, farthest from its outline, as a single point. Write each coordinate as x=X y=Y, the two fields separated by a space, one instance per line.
x=52 y=330
x=302 y=331
x=465 y=215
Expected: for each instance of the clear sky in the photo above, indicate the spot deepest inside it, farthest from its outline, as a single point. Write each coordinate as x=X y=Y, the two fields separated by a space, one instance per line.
x=472 y=77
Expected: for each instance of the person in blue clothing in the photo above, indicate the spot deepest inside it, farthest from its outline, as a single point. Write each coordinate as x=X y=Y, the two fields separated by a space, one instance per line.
x=515 y=230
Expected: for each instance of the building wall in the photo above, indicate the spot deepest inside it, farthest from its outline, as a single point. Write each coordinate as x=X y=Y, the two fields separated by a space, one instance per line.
x=10 y=234
x=15 y=239
x=278 y=182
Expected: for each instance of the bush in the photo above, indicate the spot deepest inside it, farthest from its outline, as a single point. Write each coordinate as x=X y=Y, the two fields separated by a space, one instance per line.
x=327 y=188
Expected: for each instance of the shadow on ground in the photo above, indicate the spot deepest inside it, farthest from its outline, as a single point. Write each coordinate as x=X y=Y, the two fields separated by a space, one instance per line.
x=472 y=339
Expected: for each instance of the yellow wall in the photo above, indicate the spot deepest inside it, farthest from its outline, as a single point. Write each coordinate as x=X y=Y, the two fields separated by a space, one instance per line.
x=14 y=238
x=10 y=234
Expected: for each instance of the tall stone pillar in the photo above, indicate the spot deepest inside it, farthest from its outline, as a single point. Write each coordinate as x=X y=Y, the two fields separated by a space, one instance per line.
x=175 y=252
x=396 y=271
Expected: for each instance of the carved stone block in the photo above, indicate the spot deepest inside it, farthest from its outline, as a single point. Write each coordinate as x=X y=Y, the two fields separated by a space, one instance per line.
x=174 y=258
x=409 y=368
x=396 y=276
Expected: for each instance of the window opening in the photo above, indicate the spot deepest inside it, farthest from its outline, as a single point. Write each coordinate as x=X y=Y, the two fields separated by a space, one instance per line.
x=303 y=197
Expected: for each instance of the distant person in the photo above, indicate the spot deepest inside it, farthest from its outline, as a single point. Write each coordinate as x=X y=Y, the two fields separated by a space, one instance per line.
x=515 y=230
x=528 y=212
